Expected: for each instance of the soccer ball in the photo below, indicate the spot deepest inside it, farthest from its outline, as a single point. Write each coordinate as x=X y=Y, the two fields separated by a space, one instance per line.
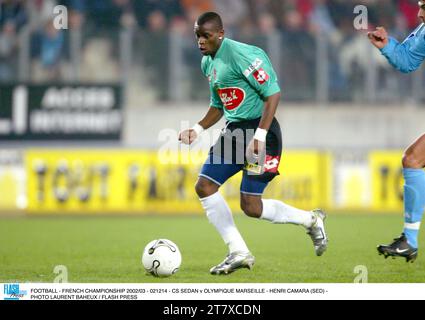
x=161 y=258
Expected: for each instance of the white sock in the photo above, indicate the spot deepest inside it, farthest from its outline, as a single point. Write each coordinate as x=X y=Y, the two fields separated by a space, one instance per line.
x=278 y=212
x=219 y=214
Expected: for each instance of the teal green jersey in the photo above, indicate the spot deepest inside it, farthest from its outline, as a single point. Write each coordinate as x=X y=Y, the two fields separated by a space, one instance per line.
x=241 y=76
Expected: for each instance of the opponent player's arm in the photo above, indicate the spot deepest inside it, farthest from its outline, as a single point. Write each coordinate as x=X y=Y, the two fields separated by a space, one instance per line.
x=211 y=118
x=406 y=56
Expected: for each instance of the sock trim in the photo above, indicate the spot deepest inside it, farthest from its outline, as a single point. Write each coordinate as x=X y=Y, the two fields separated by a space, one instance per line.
x=411 y=170
x=412 y=226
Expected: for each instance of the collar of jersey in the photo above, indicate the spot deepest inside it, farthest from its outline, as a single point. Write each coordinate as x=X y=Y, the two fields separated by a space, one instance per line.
x=220 y=49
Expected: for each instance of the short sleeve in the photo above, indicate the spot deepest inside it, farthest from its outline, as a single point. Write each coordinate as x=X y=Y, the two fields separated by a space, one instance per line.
x=258 y=71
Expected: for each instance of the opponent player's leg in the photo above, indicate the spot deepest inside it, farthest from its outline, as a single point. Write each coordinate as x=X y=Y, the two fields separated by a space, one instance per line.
x=212 y=176
x=276 y=211
x=414 y=203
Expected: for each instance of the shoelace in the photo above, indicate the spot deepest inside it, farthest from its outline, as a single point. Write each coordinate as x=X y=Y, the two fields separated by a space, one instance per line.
x=398 y=240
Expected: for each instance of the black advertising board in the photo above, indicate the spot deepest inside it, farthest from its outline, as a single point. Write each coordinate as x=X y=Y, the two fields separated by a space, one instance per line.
x=60 y=112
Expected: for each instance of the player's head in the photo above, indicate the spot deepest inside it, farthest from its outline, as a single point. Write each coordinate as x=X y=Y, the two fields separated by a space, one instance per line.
x=209 y=32
x=421 y=13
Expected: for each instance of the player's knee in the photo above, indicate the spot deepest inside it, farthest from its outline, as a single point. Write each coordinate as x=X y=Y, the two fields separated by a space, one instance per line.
x=251 y=208
x=410 y=160
x=205 y=188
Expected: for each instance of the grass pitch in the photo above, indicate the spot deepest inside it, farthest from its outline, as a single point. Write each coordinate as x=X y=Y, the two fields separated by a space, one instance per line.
x=108 y=250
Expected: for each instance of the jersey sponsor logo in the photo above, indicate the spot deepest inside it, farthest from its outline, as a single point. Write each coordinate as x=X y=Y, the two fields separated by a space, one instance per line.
x=253 y=66
x=261 y=76
x=231 y=97
x=271 y=164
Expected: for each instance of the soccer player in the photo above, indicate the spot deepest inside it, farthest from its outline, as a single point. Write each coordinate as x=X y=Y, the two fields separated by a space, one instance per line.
x=244 y=88
x=407 y=57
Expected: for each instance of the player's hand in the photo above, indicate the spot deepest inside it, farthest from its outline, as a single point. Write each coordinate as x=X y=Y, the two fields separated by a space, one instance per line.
x=256 y=152
x=379 y=37
x=188 y=136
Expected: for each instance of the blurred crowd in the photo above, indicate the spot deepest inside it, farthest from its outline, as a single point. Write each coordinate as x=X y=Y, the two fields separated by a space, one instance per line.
x=297 y=20
x=239 y=15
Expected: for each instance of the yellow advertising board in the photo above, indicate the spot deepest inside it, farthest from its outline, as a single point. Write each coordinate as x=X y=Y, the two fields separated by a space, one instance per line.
x=305 y=180
x=387 y=181
x=12 y=182
x=12 y=191
x=125 y=181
